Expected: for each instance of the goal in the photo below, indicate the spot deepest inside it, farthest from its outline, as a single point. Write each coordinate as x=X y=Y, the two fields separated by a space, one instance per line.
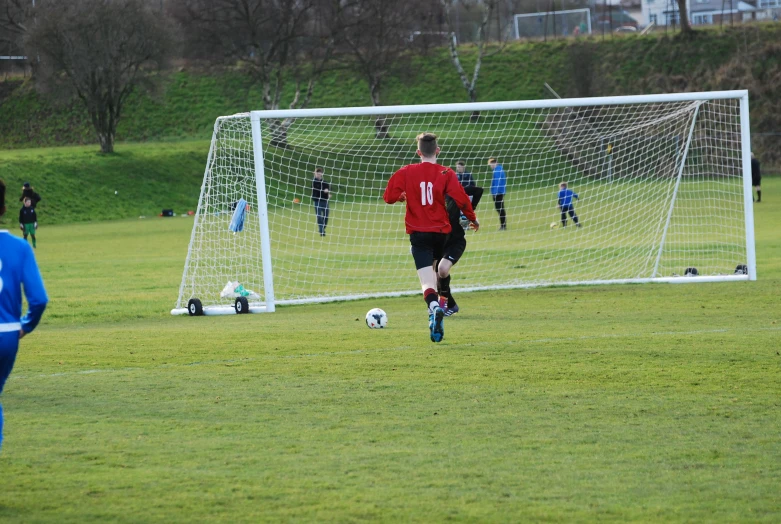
x=552 y=23
x=663 y=182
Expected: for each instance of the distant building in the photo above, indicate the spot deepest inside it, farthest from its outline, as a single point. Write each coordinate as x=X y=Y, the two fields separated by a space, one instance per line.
x=707 y=12
x=701 y=12
x=768 y=10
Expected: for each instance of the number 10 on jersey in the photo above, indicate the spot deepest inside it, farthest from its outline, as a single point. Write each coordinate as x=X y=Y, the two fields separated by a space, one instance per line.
x=426 y=193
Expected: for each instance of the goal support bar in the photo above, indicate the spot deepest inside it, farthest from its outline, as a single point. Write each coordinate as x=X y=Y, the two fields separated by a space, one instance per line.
x=675 y=192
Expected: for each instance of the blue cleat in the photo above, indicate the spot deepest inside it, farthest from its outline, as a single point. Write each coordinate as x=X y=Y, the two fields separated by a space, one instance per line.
x=451 y=310
x=437 y=325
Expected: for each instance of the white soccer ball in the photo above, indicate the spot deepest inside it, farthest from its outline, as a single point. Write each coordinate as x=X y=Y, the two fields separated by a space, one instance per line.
x=554 y=225
x=376 y=318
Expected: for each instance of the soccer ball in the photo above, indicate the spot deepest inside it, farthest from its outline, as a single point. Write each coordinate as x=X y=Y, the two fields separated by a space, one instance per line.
x=554 y=225
x=376 y=318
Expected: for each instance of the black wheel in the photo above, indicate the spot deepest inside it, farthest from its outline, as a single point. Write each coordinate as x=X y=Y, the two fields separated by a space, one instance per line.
x=241 y=305
x=194 y=307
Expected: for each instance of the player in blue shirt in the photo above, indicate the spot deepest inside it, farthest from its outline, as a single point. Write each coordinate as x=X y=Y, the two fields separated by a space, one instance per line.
x=17 y=269
x=566 y=205
x=498 y=189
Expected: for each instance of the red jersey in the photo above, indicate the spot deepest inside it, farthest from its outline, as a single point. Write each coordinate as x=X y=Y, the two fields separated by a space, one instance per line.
x=425 y=185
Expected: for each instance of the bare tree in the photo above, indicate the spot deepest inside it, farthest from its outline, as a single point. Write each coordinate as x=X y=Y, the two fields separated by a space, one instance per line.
x=103 y=50
x=277 y=42
x=377 y=35
x=13 y=19
x=13 y=22
x=486 y=8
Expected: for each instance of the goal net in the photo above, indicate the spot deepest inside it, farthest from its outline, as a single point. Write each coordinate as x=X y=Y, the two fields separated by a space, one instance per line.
x=662 y=184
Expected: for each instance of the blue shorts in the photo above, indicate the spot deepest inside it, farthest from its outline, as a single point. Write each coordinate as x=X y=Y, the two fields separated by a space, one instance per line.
x=9 y=344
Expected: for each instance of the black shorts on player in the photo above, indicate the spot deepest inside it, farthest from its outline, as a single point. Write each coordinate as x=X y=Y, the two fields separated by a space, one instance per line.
x=454 y=249
x=426 y=247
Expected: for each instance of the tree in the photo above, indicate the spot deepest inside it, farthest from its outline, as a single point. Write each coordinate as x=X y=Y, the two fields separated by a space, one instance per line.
x=13 y=23
x=486 y=8
x=277 y=42
x=103 y=50
x=686 y=28
x=376 y=37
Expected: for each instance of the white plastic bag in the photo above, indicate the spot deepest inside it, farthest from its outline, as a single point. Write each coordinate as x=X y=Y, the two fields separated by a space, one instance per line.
x=235 y=290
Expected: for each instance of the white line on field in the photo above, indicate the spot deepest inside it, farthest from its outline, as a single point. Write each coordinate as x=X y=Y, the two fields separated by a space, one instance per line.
x=397 y=348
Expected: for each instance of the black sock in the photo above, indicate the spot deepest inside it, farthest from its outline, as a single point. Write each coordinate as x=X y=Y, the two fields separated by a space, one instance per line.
x=759 y=195
x=444 y=286
x=430 y=296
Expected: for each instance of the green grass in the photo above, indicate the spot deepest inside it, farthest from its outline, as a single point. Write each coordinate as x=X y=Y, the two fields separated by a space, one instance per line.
x=612 y=403
x=78 y=184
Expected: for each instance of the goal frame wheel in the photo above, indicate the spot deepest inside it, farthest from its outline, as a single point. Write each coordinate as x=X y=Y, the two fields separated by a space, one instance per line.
x=241 y=305
x=194 y=307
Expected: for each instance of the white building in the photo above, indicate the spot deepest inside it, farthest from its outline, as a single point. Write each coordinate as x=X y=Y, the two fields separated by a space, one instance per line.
x=665 y=12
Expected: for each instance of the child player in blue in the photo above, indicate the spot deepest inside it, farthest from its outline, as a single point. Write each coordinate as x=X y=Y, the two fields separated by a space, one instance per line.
x=17 y=269
x=566 y=205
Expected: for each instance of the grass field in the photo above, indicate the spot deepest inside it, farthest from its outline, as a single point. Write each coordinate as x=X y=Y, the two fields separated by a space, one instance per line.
x=613 y=403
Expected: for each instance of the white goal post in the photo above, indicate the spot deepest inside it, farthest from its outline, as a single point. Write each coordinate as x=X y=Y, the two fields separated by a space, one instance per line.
x=663 y=184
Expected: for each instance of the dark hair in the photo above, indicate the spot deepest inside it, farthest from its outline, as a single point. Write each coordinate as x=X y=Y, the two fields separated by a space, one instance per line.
x=26 y=199
x=427 y=144
x=2 y=197
x=460 y=163
x=318 y=170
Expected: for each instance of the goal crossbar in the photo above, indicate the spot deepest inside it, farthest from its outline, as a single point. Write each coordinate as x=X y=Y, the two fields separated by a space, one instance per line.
x=548 y=103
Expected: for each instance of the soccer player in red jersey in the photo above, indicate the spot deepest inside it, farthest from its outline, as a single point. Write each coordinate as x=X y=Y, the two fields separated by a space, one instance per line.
x=423 y=187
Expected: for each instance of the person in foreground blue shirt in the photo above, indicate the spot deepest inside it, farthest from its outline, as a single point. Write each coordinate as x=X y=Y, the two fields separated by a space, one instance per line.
x=17 y=268
x=566 y=206
x=498 y=189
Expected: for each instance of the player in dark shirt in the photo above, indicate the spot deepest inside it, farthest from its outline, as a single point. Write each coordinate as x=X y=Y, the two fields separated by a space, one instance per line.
x=464 y=176
x=29 y=192
x=455 y=245
x=28 y=220
x=321 y=192
x=756 y=177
